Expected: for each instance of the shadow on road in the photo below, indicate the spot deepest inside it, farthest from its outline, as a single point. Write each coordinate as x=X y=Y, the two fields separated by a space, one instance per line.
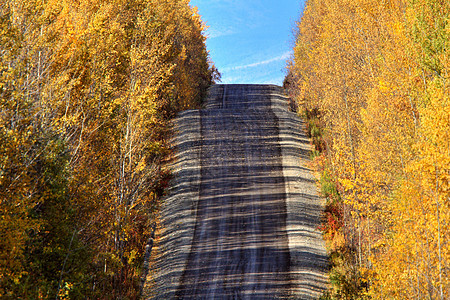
x=242 y=219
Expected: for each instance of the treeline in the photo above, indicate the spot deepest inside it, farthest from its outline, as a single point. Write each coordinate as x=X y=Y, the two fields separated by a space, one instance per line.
x=373 y=79
x=87 y=92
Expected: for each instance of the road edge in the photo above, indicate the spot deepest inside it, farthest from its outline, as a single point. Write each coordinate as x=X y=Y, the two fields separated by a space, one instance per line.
x=178 y=210
x=307 y=248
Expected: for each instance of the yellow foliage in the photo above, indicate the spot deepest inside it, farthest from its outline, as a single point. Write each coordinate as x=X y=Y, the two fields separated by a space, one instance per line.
x=105 y=78
x=378 y=73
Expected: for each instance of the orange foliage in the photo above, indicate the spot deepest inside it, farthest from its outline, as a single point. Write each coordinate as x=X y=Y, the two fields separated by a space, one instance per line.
x=88 y=89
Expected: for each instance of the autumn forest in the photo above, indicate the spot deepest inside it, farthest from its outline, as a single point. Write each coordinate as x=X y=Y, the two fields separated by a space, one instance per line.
x=372 y=78
x=88 y=92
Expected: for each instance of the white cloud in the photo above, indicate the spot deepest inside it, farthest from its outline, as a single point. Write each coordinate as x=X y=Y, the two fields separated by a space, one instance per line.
x=214 y=33
x=284 y=56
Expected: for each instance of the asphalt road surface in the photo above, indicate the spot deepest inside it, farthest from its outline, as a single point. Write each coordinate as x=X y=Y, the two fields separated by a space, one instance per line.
x=233 y=228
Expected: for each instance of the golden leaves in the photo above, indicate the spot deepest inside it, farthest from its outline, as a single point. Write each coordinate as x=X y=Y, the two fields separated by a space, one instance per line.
x=378 y=72
x=104 y=78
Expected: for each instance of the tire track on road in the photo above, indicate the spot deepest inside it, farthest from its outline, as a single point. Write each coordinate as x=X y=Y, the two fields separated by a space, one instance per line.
x=241 y=220
x=240 y=247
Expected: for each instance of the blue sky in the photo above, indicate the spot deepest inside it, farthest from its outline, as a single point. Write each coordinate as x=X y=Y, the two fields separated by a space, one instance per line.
x=249 y=40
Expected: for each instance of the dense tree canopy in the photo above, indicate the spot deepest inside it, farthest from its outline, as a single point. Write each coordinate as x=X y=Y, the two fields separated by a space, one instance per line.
x=377 y=75
x=87 y=92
